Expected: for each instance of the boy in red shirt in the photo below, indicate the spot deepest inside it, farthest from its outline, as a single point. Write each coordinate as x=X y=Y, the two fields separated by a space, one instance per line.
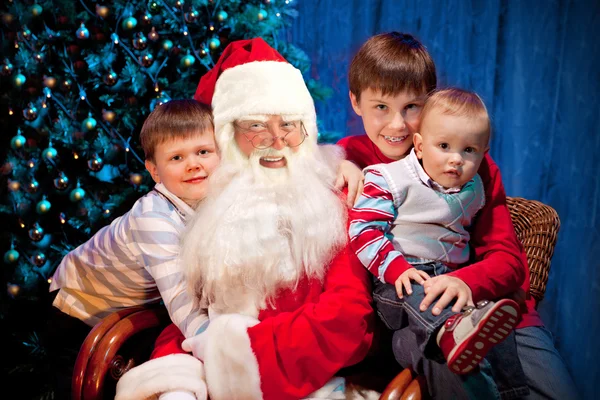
x=390 y=78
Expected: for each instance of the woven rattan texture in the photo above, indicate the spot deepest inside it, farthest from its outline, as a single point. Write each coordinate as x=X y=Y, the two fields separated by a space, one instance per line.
x=536 y=225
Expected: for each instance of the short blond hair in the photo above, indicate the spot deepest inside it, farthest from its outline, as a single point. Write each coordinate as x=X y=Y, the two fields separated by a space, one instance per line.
x=458 y=102
x=176 y=119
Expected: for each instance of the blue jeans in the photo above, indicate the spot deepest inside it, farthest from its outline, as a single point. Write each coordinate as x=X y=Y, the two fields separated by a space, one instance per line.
x=546 y=373
x=500 y=376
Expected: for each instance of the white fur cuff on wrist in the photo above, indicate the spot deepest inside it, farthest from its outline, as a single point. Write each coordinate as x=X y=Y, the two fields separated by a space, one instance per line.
x=231 y=366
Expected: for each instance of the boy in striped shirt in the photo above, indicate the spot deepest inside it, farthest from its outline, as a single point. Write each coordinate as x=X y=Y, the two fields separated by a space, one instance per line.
x=413 y=217
x=134 y=260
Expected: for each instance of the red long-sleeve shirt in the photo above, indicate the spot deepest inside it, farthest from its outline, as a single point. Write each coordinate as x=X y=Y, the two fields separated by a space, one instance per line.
x=499 y=265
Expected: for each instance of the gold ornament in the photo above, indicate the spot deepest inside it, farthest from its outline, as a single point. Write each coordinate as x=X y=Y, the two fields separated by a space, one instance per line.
x=49 y=82
x=14 y=186
x=136 y=178
x=102 y=11
x=13 y=290
x=108 y=115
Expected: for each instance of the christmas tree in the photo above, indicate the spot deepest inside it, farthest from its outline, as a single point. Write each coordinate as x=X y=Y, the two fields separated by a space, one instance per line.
x=77 y=80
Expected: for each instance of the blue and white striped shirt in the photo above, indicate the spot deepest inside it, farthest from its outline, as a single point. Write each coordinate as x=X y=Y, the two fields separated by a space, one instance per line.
x=132 y=261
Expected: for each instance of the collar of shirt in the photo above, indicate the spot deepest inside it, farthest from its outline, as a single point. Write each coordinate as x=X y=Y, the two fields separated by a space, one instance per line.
x=181 y=206
x=414 y=162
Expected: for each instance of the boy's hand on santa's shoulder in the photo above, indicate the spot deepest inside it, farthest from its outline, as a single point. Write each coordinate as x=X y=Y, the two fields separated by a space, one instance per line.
x=449 y=288
x=403 y=283
x=350 y=175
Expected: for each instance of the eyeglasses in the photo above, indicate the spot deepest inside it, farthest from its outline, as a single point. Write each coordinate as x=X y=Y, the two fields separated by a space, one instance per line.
x=263 y=138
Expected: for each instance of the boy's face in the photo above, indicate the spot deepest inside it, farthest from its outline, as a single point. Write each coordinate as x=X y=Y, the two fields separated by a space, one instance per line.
x=390 y=120
x=183 y=165
x=451 y=147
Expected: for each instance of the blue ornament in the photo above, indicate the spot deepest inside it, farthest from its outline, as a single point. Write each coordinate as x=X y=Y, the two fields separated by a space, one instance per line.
x=19 y=80
x=43 y=206
x=262 y=14
x=129 y=23
x=167 y=44
x=187 y=61
x=221 y=16
x=50 y=153
x=82 y=32
x=18 y=141
x=89 y=124
x=214 y=43
x=11 y=256
x=36 y=10
x=77 y=194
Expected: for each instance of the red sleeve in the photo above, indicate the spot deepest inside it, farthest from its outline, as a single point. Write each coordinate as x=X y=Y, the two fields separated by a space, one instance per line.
x=498 y=268
x=298 y=352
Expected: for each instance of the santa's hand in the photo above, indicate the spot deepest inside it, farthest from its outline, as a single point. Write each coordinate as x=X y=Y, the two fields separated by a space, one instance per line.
x=196 y=345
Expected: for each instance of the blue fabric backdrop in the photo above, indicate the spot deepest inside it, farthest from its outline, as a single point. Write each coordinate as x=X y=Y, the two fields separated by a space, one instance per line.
x=536 y=65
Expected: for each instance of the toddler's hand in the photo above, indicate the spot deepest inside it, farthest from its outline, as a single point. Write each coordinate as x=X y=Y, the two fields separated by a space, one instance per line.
x=449 y=287
x=349 y=174
x=411 y=274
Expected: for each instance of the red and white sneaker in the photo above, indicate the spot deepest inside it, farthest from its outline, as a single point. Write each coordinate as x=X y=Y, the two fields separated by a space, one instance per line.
x=466 y=338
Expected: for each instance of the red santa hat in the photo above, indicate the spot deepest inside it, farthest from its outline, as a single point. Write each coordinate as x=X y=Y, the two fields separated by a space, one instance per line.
x=252 y=78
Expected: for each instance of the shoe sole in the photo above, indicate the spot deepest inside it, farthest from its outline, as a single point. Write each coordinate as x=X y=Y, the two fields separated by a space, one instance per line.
x=495 y=325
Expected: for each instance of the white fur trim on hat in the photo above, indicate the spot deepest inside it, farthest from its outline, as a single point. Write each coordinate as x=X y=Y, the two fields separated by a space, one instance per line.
x=231 y=366
x=262 y=87
x=164 y=374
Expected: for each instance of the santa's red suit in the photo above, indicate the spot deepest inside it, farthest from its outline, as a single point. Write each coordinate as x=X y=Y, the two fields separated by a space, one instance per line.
x=290 y=305
x=309 y=334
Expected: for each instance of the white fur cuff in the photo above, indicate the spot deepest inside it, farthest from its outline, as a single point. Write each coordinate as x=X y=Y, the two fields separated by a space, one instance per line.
x=164 y=374
x=231 y=367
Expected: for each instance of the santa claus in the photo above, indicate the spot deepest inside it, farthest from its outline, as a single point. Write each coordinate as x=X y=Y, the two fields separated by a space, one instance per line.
x=265 y=253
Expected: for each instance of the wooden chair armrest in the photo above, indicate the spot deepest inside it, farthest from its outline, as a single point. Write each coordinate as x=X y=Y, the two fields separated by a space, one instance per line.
x=101 y=351
x=398 y=385
x=416 y=390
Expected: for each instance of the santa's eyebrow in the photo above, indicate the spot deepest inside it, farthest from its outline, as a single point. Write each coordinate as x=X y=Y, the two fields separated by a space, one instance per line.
x=256 y=117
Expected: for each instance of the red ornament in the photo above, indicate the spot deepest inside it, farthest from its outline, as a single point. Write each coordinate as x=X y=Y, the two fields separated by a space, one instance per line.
x=80 y=64
x=73 y=49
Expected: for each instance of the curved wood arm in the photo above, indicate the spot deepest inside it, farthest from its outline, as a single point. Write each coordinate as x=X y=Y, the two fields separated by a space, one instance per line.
x=99 y=355
x=416 y=390
x=398 y=385
x=89 y=346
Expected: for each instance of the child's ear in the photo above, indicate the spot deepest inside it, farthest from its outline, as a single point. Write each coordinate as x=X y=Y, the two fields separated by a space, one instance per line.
x=418 y=143
x=151 y=167
x=354 y=102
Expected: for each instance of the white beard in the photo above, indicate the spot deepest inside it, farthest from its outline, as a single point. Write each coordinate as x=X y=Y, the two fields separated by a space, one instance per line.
x=261 y=230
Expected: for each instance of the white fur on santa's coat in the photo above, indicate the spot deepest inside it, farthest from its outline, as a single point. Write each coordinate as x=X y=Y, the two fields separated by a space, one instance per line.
x=173 y=372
